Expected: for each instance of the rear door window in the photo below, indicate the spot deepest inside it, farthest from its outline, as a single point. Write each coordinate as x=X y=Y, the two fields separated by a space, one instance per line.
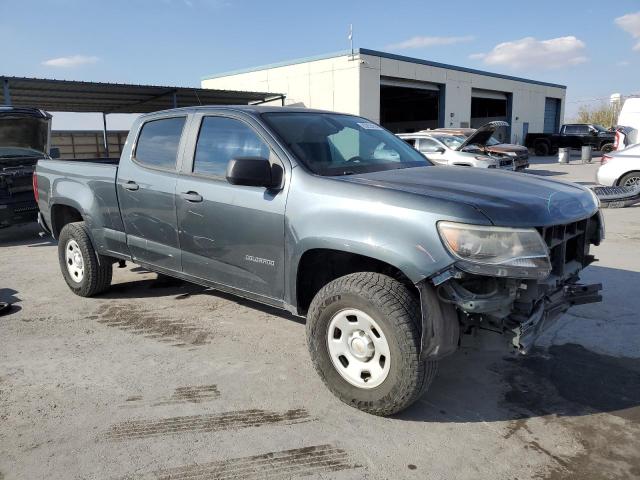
x=158 y=142
x=222 y=139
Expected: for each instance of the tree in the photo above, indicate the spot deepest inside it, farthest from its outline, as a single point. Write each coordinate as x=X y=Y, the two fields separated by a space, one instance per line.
x=604 y=114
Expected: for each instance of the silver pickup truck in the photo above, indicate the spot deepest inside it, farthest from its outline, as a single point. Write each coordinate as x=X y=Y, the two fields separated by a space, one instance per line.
x=335 y=219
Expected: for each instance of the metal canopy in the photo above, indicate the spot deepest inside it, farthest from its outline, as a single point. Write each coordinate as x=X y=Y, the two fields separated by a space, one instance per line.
x=72 y=96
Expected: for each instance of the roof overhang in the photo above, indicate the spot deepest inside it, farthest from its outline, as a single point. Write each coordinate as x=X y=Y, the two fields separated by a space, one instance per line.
x=73 y=96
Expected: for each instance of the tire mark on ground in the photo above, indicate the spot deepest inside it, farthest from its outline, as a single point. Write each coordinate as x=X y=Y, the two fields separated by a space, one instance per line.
x=132 y=319
x=135 y=429
x=181 y=395
x=298 y=462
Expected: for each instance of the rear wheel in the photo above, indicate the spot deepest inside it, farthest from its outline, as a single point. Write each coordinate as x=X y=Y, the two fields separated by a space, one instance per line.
x=85 y=271
x=364 y=340
x=542 y=148
x=631 y=179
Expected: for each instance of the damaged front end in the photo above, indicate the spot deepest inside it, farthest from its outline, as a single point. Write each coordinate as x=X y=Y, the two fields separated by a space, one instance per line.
x=523 y=307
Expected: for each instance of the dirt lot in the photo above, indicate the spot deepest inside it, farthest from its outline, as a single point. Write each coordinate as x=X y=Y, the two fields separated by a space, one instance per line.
x=158 y=379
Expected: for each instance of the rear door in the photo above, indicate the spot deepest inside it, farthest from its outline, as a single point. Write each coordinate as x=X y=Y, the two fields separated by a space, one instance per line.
x=146 y=192
x=230 y=234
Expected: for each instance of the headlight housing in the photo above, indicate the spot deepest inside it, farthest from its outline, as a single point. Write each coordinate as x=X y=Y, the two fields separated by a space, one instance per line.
x=497 y=251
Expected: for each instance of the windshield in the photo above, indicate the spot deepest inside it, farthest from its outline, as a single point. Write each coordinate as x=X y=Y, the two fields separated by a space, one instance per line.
x=493 y=141
x=451 y=141
x=17 y=152
x=600 y=128
x=333 y=144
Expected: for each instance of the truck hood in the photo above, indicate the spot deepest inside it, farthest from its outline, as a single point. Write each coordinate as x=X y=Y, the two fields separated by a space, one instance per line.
x=506 y=198
x=24 y=130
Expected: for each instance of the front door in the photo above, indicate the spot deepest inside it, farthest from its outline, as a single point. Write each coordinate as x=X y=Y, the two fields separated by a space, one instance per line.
x=146 y=193
x=231 y=235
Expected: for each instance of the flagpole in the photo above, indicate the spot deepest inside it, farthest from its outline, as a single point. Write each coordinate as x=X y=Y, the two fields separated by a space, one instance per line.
x=351 y=37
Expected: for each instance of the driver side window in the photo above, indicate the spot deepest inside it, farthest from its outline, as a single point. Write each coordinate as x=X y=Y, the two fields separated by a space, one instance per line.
x=429 y=146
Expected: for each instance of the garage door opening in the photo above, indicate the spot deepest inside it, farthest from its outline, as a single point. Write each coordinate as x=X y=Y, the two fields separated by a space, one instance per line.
x=488 y=106
x=409 y=109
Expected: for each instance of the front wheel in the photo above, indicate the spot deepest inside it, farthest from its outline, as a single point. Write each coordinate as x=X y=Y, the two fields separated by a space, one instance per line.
x=607 y=148
x=85 y=271
x=364 y=338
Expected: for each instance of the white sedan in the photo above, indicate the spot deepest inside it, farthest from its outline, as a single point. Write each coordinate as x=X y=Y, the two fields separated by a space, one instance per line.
x=621 y=168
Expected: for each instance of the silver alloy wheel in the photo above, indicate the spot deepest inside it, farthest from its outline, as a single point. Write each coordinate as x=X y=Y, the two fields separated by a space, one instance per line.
x=632 y=181
x=75 y=262
x=358 y=349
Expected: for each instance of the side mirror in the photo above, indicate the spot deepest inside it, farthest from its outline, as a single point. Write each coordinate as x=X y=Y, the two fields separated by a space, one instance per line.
x=440 y=150
x=54 y=152
x=254 y=172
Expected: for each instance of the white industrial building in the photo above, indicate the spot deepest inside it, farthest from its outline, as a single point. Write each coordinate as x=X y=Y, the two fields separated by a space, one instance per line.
x=406 y=94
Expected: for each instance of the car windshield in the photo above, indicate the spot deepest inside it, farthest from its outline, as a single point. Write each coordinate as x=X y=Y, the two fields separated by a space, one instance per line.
x=600 y=128
x=451 y=141
x=334 y=144
x=493 y=141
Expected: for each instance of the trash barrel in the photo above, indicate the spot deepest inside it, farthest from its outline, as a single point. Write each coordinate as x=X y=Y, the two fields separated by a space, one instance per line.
x=563 y=155
x=586 y=154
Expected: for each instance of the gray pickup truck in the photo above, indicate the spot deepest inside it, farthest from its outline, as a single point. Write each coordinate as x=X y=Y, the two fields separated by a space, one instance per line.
x=390 y=258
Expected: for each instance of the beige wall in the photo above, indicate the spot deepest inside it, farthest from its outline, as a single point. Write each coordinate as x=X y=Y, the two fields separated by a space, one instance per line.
x=352 y=85
x=329 y=84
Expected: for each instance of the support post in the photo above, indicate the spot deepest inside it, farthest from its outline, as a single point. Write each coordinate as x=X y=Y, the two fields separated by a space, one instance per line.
x=104 y=134
x=175 y=99
x=6 y=91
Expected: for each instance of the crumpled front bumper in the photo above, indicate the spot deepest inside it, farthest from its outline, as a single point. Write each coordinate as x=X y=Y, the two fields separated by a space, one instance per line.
x=550 y=308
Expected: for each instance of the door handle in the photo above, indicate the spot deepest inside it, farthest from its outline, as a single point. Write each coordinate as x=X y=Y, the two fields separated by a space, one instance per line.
x=193 y=197
x=131 y=185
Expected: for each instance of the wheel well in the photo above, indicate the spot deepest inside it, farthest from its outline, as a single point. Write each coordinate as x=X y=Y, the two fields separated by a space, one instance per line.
x=619 y=182
x=320 y=266
x=61 y=215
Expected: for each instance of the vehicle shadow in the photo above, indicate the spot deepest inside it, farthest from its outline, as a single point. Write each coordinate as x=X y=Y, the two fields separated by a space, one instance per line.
x=563 y=380
x=165 y=286
x=8 y=295
x=24 y=235
x=544 y=173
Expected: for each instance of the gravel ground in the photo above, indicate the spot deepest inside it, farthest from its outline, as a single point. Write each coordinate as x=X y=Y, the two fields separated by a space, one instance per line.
x=164 y=379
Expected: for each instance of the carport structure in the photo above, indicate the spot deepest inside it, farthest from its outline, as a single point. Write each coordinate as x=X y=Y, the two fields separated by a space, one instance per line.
x=105 y=98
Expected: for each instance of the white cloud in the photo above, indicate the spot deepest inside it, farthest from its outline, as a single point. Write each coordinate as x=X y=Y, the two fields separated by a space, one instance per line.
x=71 y=61
x=623 y=63
x=630 y=23
x=529 y=52
x=424 y=42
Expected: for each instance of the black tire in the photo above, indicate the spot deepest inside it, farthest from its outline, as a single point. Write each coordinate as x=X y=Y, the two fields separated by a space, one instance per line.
x=541 y=148
x=397 y=311
x=629 y=177
x=98 y=269
x=607 y=148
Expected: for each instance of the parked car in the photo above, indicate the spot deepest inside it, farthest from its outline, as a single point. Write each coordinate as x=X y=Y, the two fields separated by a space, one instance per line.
x=621 y=168
x=24 y=139
x=572 y=135
x=628 y=124
x=495 y=148
x=456 y=149
x=389 y=258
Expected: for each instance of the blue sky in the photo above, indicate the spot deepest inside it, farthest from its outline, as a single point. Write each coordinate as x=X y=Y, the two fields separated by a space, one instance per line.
x=586 y=45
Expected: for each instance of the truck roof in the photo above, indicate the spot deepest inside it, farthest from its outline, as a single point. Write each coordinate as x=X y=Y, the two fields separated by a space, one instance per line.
x=251 y=109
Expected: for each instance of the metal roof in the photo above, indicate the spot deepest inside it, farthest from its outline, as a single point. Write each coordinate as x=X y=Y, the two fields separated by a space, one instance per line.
x=73 y=96
x=392 y=56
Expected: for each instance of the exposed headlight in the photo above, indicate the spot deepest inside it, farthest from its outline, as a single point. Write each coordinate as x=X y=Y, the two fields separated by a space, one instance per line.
x=497 y=251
